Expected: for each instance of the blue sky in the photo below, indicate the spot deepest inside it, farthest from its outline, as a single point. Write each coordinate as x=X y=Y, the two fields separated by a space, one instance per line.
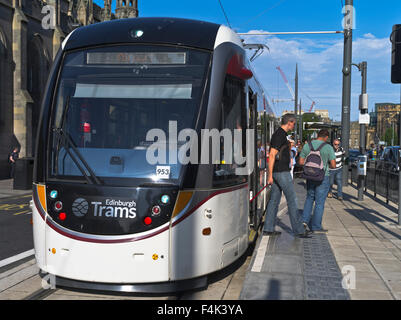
x=319 y=57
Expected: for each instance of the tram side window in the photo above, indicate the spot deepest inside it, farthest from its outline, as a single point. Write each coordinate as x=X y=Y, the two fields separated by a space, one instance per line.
x=233 y=117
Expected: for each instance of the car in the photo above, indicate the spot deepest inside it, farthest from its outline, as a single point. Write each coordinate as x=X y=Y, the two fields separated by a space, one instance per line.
x=389 y=159
x=353 y=157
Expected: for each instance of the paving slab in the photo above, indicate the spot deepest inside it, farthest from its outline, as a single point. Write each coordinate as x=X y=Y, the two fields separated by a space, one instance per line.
x=18 y=277
x=7 y=190
x=359 y=258
x=370 y=295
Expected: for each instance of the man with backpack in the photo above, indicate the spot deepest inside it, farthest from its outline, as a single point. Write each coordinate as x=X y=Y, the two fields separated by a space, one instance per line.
x=316 y=157
x=279 y=177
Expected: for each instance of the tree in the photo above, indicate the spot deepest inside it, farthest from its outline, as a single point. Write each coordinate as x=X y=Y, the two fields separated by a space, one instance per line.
x=391 y=137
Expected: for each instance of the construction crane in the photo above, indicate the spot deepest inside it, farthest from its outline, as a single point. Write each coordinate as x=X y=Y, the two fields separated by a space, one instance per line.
x=311 y=107
x=313 y=102
x=287 y=83
x=292 y=91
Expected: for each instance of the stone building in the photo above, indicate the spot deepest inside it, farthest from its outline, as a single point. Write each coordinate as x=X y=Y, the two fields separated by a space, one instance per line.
x=31 y=32
x=387 y=117
x=354 y=135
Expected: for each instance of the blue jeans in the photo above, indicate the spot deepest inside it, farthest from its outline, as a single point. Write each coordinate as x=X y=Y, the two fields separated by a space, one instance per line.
x=316 y=193
x=282 y=182
x=337 y=176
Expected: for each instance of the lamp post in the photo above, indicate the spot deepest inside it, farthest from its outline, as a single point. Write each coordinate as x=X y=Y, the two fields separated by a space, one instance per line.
x=296 y=103
x=363 y=121
x=346 y=96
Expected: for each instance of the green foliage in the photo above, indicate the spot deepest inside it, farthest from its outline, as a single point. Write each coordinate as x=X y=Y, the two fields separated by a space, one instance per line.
x=311 y=117
x=389 y=135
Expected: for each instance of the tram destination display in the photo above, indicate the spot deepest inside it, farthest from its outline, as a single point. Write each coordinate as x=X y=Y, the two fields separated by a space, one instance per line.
x=136 y=58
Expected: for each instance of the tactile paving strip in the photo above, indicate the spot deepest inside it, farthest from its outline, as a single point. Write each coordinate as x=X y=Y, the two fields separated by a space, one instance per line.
x=322 y=276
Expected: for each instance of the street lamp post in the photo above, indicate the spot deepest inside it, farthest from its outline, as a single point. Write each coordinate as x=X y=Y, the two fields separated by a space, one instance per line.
x=346 y=96
x=296 y=103
x=363 y=105
x=395 y=39
x=399 y=170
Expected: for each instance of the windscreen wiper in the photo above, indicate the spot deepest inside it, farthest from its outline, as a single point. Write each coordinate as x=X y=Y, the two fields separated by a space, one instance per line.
x=67 y=143
x=157 y=185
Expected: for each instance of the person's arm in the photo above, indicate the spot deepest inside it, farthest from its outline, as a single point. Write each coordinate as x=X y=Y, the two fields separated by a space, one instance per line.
x=332 y=158
x=303 y=154
x=272 y=160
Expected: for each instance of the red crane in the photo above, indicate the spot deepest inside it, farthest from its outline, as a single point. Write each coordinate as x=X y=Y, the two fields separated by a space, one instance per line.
x=311 y=107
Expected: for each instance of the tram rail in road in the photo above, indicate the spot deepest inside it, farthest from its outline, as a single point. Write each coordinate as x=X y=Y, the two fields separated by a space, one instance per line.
x=15 y=226
x=20 y=280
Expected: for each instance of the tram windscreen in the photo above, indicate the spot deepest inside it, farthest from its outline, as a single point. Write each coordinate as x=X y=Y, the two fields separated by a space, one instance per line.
x=109 y=98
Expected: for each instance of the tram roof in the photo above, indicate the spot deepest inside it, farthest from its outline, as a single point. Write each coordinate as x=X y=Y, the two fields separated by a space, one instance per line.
x=173 y=31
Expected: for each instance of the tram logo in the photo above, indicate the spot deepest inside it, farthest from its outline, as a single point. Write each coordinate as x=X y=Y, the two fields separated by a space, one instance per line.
x=80 y=207
x=115 y=209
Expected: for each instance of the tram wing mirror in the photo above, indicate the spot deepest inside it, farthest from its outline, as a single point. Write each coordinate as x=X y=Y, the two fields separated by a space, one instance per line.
x=246 y=74
x=237 y=68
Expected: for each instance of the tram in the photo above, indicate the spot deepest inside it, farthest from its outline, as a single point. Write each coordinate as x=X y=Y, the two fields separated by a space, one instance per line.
x=104 y=216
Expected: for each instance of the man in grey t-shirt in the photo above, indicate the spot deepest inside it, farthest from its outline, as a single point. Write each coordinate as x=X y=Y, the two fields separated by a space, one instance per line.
x=317 y=191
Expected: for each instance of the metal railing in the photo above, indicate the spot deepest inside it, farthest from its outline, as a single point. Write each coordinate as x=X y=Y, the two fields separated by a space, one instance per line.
x=379 y=180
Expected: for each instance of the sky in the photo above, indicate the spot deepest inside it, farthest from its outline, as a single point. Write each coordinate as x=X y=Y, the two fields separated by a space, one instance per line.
x=319 y=57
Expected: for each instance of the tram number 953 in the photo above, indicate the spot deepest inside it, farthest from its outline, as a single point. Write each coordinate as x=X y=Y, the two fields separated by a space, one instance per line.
x=163 y=172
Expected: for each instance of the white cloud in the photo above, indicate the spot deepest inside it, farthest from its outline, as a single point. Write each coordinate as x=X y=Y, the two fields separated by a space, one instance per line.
x=320 y=62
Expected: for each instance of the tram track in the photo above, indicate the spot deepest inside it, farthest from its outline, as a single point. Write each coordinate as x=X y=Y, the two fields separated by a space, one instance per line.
x=217 y=287
x=41 y=294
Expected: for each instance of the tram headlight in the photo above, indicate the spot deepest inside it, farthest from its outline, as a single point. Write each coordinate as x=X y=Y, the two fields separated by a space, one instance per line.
x=58 y=205
x=62 y=216
x=147 y=220
x=136 y=33
x=165 y=199
x=156 y=211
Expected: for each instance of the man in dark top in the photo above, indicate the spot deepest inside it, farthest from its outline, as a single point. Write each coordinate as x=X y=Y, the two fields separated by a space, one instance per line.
x=281 y=181
x=12 y=159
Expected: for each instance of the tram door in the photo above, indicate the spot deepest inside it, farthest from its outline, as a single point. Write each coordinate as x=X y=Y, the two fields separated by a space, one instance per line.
x=253 y=118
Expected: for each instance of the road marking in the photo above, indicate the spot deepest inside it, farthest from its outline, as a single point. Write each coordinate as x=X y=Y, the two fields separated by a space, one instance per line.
x=22 y=212
x=17 y=257
x=260 y=256
x=9 y=207
x=252 y=235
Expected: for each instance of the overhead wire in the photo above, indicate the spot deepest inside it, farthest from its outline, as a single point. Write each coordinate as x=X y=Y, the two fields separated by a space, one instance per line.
x=224 y=12
x=263 y=12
